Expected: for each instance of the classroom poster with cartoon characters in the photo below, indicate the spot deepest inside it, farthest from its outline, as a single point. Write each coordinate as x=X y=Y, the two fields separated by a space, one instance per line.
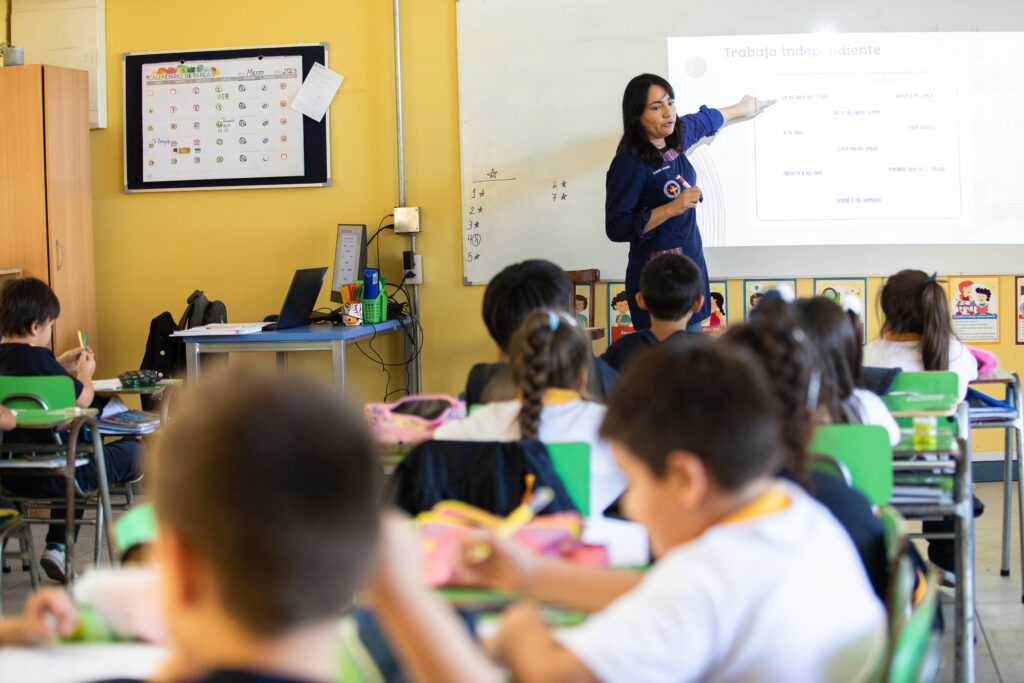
x=754 y=290
x=974 y=305
x=582 y=305
x=846 y=287
x=719 y=318
x=619 y=321
x=1018 y=286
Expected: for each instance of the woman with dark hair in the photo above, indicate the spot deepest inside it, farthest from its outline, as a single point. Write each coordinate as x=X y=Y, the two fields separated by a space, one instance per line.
x=651 y=187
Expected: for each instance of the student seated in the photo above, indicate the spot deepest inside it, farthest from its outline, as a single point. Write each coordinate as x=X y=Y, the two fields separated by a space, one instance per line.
x=517 y=290
x=550 y=359
x=790 y=361
x=28 y=309
x=671 y=291
x=265 y=491
x=917 y=334
x=755 y=580
x=835 y=334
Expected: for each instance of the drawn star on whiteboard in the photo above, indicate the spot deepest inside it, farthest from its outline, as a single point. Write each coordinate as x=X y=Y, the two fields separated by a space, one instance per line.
x=493 y=174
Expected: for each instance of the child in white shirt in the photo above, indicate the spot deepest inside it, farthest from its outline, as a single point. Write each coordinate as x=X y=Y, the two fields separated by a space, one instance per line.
x=918 y=334
x=550 y=358
x=835 y=334
x=756 y=581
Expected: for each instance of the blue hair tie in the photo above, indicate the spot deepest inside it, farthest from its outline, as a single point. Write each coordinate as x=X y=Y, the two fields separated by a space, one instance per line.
x=553 y=319
x=932 y=278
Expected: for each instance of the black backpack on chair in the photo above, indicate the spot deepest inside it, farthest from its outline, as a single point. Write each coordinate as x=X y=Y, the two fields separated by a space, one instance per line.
x=166 y=354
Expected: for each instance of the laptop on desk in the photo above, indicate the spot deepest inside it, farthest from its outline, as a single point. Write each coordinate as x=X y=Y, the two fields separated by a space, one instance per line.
x=295 y=312
x=301 y=297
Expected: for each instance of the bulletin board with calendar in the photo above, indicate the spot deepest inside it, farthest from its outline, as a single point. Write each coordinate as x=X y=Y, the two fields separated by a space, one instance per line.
x=222 y=119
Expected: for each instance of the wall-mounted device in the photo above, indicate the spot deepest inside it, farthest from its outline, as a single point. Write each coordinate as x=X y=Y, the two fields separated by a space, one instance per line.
x=407 y=219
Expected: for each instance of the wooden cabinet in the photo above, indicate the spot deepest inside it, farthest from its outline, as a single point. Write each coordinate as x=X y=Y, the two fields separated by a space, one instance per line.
x=46 y=191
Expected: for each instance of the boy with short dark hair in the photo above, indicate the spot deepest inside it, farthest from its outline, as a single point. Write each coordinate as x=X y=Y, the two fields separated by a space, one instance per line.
x=265 y=491
x=754 y=580
x=671 y=290
x=515 y=292
x=28 y=309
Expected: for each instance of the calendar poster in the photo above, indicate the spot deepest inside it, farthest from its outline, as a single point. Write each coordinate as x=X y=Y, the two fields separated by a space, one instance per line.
x=204 y=119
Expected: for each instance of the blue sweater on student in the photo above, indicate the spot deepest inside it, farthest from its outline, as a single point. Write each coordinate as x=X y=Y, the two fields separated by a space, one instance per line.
x=633 y=188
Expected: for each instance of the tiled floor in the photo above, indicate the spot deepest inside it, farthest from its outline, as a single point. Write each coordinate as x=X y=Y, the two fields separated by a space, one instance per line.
x=1000 y=613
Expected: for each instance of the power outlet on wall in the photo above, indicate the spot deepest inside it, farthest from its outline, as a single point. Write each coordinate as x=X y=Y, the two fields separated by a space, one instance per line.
x=412 y=268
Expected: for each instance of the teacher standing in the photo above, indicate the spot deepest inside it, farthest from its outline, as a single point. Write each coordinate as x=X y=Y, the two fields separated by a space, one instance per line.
x=651 y=187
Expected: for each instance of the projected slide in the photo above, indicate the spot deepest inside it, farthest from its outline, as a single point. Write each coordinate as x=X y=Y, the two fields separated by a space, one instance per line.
x=876 y=138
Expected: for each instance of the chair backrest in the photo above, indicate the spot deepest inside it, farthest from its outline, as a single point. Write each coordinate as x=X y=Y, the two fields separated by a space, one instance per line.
x=916 y=646
x=591 y=277
x=50 y=392
x=866 y=453
x=938 y=382
x=899 y=590
x=572 y=463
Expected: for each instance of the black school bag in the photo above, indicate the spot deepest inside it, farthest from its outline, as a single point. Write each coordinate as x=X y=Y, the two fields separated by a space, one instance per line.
x=166 y=354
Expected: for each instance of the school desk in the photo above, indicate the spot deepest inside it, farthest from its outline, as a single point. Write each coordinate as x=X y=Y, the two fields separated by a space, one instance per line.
x=333 y=338
x=1012 y=421
x=952 y=463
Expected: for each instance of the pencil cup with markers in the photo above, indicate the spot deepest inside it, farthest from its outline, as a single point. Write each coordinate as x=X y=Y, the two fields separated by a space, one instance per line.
x=352 y=304
x=375 y=310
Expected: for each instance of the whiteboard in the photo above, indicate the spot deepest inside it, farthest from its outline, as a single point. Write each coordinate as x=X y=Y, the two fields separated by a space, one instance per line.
x=540 y=84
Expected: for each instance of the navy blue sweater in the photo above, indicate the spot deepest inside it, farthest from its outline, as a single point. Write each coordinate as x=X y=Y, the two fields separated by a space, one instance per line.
x=633 y=188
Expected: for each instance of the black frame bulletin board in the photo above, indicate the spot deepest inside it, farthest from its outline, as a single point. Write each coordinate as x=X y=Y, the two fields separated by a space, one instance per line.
x=152 y=143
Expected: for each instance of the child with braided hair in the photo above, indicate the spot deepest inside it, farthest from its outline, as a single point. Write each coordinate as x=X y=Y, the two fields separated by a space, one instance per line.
x=792 y=364
x=550 y=359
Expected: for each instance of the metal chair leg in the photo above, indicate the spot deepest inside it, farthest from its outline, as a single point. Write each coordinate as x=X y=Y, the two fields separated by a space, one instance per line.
x=28 y=547
x=98 y=551
x=1018 y=438
x=1004 y=569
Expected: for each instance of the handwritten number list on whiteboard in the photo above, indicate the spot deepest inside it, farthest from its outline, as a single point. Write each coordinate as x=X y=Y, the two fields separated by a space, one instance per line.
x=203 y=119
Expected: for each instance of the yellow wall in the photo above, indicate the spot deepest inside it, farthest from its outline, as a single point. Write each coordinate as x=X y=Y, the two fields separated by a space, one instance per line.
x=241 y=246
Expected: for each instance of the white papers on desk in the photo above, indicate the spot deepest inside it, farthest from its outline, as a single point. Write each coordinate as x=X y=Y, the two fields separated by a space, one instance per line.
x=218 y=329
x=317 y=91
x=106 y=384
x=78 y=663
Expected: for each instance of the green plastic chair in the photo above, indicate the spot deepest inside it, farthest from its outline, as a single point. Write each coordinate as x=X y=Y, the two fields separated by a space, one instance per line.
x=899 y=593
x=924 y=383
x=572 y=463
x=865 y=452
x=48 y=393
x=916 y=649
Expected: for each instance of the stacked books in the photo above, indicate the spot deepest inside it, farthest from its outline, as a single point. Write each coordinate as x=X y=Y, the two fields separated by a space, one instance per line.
x=116 y=419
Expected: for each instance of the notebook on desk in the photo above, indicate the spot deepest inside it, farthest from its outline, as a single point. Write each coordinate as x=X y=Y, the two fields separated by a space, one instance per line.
x=297 y=307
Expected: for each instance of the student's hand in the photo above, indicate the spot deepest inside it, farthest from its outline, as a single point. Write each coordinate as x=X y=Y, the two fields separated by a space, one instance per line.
x=397 y=565
x=518 y=619
x=49 y=613
x=69 y=359
x=507 y=565
x=686 y=200
x=86 y=364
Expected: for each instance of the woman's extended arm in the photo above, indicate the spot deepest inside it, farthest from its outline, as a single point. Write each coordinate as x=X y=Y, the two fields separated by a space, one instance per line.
x=748 y=107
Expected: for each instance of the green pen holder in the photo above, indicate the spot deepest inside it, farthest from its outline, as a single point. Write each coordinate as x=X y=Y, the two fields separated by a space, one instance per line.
x=375 y=310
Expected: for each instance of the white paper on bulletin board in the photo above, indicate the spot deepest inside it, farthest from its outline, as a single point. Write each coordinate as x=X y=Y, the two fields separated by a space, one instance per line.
x=203 y=119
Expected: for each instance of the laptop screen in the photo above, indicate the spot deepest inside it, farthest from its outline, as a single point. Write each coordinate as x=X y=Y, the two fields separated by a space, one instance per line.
x=301 y=298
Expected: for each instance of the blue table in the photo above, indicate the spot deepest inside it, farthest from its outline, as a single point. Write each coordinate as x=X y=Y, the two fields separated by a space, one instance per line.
x=331 y=338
